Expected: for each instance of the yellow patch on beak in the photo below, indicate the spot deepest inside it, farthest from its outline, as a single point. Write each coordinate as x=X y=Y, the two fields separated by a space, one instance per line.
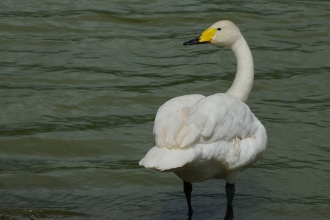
x=207 y=35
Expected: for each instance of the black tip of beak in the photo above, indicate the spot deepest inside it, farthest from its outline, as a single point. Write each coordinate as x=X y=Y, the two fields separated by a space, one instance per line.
x=193 y=41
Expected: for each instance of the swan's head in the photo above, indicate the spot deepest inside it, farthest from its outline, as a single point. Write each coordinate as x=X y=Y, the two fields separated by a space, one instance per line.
x=223 y=33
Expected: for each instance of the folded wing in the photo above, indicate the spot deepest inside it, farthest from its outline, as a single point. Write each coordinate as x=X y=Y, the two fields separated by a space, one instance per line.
x=188 y=120
x=195 y=127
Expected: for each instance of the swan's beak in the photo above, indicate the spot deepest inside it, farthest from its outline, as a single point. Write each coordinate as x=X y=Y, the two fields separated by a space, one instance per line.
x=206 y=37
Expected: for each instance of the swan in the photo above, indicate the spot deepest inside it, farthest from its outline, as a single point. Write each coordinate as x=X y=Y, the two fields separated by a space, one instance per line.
x=198 y=137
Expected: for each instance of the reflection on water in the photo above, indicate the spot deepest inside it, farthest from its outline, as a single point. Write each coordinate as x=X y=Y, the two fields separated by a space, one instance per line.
x=82 y=81
x=37 y=213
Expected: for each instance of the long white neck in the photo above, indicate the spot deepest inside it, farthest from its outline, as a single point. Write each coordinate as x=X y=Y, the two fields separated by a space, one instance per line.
x=243 y=82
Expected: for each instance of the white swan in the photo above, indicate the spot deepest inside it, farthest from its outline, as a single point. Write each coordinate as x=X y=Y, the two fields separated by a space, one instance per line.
x=218 y=136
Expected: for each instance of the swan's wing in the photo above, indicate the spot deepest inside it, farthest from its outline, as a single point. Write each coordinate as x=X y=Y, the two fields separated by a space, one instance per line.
x=214 y=118
x=192 y=127
x=171 y=116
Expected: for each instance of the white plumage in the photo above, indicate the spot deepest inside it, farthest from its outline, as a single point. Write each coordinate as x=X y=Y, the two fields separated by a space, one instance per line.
x=206 y=136
x=217 y=136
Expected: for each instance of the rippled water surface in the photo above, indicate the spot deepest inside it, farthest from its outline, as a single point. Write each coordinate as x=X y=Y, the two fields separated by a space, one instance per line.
x=81 y=82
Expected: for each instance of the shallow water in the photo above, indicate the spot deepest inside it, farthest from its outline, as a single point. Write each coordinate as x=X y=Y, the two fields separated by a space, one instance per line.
x=81 y=82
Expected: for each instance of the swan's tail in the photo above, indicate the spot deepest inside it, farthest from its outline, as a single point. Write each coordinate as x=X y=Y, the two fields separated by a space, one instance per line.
x=165 y=159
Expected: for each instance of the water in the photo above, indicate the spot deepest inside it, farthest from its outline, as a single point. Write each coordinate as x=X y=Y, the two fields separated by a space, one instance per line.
x=81 y=82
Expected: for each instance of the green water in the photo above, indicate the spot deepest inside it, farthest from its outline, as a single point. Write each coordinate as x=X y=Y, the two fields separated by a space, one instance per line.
x=81 y=82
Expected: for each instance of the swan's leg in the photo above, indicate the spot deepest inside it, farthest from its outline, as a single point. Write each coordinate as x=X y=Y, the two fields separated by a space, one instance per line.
x=230 y=192
x=187 y=188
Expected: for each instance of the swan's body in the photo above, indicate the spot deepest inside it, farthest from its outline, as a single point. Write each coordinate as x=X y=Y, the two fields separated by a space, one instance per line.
x=218 y=136
x=199 y=137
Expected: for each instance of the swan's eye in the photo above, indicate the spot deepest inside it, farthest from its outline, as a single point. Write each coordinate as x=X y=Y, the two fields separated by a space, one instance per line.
x=219 y=29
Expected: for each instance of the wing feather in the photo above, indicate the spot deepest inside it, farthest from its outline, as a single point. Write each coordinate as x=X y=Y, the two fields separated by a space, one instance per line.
x=171 y=117
x=194 y=119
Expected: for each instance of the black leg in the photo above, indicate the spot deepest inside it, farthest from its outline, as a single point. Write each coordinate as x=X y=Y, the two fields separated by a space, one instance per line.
x=187 y=188
x=230 y=192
